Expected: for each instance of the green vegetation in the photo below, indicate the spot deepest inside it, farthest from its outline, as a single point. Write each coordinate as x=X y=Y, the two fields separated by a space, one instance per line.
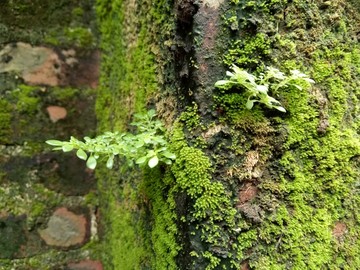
x=147 y=147
x=308 y=158
x=211 y=206
x=257 y=87
x=134 y=62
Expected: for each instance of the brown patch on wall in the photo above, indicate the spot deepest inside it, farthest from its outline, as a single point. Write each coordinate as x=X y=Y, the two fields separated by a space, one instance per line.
x=248 y=192
x=56 y=113
x=245 y=265
x=339 y=230
x=85 y=265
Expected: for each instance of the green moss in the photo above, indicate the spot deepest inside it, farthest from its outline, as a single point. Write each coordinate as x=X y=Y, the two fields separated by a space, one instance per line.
x=81 y=37
x=26 y=99
x=125 y=243
x=16 y=105
x=248 y=51
x=191 y=117
x=210 y=207
x=51 y=19
x=164 y=234
x=307 y=183
x=64 y=93
x=134 y=79
x=5 y=121
x=141 y=231
x=313 y=187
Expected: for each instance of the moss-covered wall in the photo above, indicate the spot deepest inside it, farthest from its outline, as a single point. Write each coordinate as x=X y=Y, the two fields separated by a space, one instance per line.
x=255 y=189
x=134 y=36
x=47 y=200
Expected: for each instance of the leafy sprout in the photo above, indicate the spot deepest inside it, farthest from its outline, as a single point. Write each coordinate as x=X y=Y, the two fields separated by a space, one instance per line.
x=257 y=88
x=148 y=146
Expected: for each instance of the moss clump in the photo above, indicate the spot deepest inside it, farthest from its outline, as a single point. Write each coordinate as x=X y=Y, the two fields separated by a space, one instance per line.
x=308 y=187
x=160 y=191
x=51 y=18
x=210 y=206
x=319 y=180
x=248 y=51
x=313 y=187
x=134 y=81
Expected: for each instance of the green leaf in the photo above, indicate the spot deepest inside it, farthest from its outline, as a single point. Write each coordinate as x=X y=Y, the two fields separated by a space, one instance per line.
x=281 y=109
x=150 y=153
x=222 y=83
x=159 y=139
x=81 y=154
x=147 y=139
x=55 y=142
x=153 y=162
x=309 y=80
x=168 y=154
x=249 y=104
x=151 y=113
x=168 y=162
x=262 y=88
x=91 y=163
x=141 y=160
x=67 y=147
x=139 y=144
x=110 y=162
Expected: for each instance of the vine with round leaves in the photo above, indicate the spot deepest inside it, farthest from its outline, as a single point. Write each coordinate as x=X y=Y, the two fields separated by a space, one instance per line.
x=148 y=146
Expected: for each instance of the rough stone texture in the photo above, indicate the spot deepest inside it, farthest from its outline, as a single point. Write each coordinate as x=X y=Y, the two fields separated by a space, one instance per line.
x=46 y=66
x=65 y=229
x=48 y=57
x=85 y=265
x=213 y=3
x=36 y=65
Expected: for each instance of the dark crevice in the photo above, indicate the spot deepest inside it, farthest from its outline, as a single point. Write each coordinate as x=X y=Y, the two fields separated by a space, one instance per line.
x=184 y=49
x=183 y=54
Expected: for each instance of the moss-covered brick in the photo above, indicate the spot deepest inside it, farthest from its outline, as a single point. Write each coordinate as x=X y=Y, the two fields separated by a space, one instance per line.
x=33 y=181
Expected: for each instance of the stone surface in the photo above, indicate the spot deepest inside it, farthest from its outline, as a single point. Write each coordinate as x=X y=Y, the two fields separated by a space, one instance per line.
x=56 y=113
x=213 y=3
x=49 y=67
x=65 y=229
x=36 y=65
x=85 y=265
